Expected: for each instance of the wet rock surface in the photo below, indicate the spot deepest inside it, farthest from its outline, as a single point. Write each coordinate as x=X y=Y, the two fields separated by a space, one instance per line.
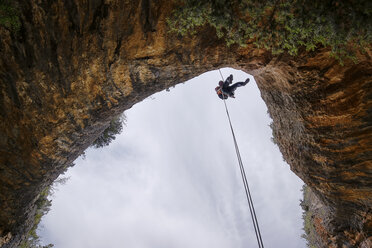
x=74 y=65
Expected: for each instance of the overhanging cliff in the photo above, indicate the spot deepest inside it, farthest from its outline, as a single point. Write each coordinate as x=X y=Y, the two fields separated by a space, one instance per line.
x=74 y=65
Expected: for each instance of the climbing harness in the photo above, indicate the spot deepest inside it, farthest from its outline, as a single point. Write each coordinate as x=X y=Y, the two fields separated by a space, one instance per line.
x=221 y=94
x=245 y=181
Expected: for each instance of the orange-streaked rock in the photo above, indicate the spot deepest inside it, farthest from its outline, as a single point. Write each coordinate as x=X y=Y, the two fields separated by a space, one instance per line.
x=74 y=65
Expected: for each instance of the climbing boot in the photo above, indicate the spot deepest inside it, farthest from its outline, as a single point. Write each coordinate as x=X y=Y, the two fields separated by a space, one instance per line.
x=230 y=79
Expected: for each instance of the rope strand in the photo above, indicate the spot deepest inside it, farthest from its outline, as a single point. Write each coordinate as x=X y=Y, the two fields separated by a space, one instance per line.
x=245 y=181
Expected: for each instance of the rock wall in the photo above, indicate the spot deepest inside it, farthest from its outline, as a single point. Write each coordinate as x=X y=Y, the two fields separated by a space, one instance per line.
x=74 y=65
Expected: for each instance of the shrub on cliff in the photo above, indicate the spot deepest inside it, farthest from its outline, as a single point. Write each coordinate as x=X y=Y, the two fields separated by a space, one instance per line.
x=307 y=215
x=9 y=15
x=281 y=25
x=108 y=135
x=43 y=205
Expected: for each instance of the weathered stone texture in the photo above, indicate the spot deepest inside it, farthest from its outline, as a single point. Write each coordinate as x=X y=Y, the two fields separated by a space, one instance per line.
x=74 y=65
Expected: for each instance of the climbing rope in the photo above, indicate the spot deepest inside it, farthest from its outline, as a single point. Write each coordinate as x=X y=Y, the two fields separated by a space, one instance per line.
x=244 y=178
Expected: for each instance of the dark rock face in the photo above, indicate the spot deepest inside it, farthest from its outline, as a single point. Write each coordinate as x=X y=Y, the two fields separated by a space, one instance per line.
x=74 y=65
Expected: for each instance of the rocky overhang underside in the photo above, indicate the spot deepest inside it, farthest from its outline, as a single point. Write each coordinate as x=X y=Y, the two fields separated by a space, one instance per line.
x=74 y=65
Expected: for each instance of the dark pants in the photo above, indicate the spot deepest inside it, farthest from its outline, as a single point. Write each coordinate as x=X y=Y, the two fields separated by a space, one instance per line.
x=230 y=89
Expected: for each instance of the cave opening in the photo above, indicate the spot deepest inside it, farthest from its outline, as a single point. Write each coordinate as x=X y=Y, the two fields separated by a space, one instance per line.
x=170 y=179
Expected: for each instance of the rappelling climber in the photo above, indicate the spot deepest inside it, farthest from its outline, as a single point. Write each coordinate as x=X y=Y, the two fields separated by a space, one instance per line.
x=224 y=90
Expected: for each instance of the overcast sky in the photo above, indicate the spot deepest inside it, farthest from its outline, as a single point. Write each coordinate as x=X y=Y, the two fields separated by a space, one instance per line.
x=171 y=179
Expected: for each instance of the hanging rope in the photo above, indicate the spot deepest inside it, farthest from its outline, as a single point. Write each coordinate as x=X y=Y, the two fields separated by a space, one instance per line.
x=244 y=178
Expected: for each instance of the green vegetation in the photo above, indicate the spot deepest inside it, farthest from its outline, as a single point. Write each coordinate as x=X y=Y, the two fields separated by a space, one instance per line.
x=9 y=15
x=43 y=205
x=273 y=134
x=281 y=25
x=107 y=136
x=308 y=228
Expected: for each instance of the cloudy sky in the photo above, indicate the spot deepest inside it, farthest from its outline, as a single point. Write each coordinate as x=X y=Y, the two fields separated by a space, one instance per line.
x=171 y=179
